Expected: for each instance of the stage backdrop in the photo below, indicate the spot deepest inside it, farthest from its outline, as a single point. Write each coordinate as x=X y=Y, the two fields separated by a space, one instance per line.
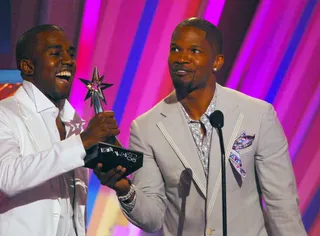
x=129 y=42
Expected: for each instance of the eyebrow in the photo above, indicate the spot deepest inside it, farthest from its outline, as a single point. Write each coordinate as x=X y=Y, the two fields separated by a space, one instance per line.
x=192 y=46
x=71 y=48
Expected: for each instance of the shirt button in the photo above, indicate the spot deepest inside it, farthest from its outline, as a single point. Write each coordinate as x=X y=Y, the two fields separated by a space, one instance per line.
x=209 y=231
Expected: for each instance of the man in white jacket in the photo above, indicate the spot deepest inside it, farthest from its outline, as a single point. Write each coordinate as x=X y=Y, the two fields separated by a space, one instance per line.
x=43 y=186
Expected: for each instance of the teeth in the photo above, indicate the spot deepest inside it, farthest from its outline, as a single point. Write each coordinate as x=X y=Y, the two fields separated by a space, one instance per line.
x=181 y=71
x=64 y=73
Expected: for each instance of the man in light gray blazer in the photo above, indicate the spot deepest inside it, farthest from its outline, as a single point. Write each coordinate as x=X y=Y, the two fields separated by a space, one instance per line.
x=178 y=189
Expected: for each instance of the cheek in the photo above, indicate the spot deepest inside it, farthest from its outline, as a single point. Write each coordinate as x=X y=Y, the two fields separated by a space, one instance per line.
x=205 y=65
x=171 y=59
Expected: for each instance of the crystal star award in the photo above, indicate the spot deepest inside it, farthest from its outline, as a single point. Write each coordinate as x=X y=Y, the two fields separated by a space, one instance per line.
x=109 y=153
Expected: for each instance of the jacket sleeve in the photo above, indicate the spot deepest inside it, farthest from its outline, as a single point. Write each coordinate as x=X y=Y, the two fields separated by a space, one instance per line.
x=276 y=177
x=151 y=202
x=19 y=173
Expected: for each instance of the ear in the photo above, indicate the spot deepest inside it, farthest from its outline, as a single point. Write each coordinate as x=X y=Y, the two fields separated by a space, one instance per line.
x=27 y=67
x=218 y=63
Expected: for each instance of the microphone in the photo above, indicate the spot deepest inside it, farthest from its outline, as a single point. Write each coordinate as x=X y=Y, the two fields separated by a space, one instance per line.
x=217 y=121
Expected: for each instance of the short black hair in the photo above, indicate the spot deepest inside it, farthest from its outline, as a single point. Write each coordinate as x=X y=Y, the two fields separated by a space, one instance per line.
x=27 y=41
x=213 y=34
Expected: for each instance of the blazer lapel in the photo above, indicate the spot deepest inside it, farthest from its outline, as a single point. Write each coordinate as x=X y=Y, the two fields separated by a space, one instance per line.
x=175 y=129
x=33 y=120
x=232 y=123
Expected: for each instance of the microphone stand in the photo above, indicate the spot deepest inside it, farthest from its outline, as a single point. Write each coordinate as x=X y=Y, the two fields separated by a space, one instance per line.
x=223 y=183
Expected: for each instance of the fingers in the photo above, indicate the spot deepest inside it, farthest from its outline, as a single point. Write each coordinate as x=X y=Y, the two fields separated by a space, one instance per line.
x=109 y=123
x=100 y=128
x=111 y=177
x=106 y=114
x=112 y=181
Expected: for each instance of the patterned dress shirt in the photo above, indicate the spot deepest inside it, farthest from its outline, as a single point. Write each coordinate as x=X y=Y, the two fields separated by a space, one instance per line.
x=203 y=142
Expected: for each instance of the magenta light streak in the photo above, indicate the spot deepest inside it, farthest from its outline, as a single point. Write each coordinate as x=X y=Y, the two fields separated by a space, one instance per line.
x=159 y=65
x=305 y=123
x=270 y=47
x=109 y=12
x=303 y=66
x=308 y=186
x=85 y=49
x=249 y=44
x=214 y=10
x=144 y=69
x=120 y=44
x=105 y=35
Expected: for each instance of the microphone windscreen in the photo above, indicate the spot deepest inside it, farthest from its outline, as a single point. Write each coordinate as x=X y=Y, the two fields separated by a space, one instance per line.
x=216 y=119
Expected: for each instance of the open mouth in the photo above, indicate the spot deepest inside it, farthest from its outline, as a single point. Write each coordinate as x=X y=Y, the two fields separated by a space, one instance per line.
x=64 y=75
x=182 y=72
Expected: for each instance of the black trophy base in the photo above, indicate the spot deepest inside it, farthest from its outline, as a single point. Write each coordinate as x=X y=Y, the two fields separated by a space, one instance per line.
x=112 y=156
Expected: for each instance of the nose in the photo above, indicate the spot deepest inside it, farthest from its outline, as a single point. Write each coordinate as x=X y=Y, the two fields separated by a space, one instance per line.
x=67 y=59
x=183 y=57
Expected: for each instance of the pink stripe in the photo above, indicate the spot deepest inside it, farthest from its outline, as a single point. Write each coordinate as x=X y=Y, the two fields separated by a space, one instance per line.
x=85 y=49
x=142 y=75
x=304 y=123
x=159 y=59
x=271 y=46
x=114 y=45
x=310 y=182
x=295 y=92
x=245 y=54
x=307 y=149
x=214 y=10
x=110 y=10
x=120 y=46
x=307 y=54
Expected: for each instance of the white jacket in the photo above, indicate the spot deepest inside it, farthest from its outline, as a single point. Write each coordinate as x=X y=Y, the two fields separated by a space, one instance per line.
x=30 y=160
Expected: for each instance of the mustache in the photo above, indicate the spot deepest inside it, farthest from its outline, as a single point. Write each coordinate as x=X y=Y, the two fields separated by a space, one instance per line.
x=180 y=67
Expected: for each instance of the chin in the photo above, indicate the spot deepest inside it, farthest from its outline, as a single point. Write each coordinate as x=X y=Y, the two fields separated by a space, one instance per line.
x=180 y=84
x=61 y=96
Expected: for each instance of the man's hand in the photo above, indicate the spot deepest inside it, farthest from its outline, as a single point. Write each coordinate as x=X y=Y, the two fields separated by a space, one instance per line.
x=100 y=128
x=113 y=179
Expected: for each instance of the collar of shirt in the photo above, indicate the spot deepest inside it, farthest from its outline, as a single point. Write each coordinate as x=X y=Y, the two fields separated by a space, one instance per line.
x=209 y=111
x=68 y=115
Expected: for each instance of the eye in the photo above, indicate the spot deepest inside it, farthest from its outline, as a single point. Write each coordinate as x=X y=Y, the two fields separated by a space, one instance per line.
x=55 y=53
x=196 y=51
x=72 y=55
x=174 y=49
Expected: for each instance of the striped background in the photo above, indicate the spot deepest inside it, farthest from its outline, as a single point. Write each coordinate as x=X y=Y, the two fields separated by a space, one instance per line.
x=279 y=62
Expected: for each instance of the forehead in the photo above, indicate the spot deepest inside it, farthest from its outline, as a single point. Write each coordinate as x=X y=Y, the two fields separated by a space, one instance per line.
x=189 y=35
x=52 y=37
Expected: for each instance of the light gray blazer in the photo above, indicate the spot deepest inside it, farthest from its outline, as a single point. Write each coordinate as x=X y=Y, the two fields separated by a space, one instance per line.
x=173 y=194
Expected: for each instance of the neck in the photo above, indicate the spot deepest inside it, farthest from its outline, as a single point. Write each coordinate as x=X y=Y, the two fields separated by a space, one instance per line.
x=197 y=102
x=59 y=104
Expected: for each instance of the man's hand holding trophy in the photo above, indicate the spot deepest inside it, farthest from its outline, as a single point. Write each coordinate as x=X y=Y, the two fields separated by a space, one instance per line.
x=107 y=156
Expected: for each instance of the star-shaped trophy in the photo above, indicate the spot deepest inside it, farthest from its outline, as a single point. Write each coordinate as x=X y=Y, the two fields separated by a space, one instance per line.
x=95 y=88
x=107 y=153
